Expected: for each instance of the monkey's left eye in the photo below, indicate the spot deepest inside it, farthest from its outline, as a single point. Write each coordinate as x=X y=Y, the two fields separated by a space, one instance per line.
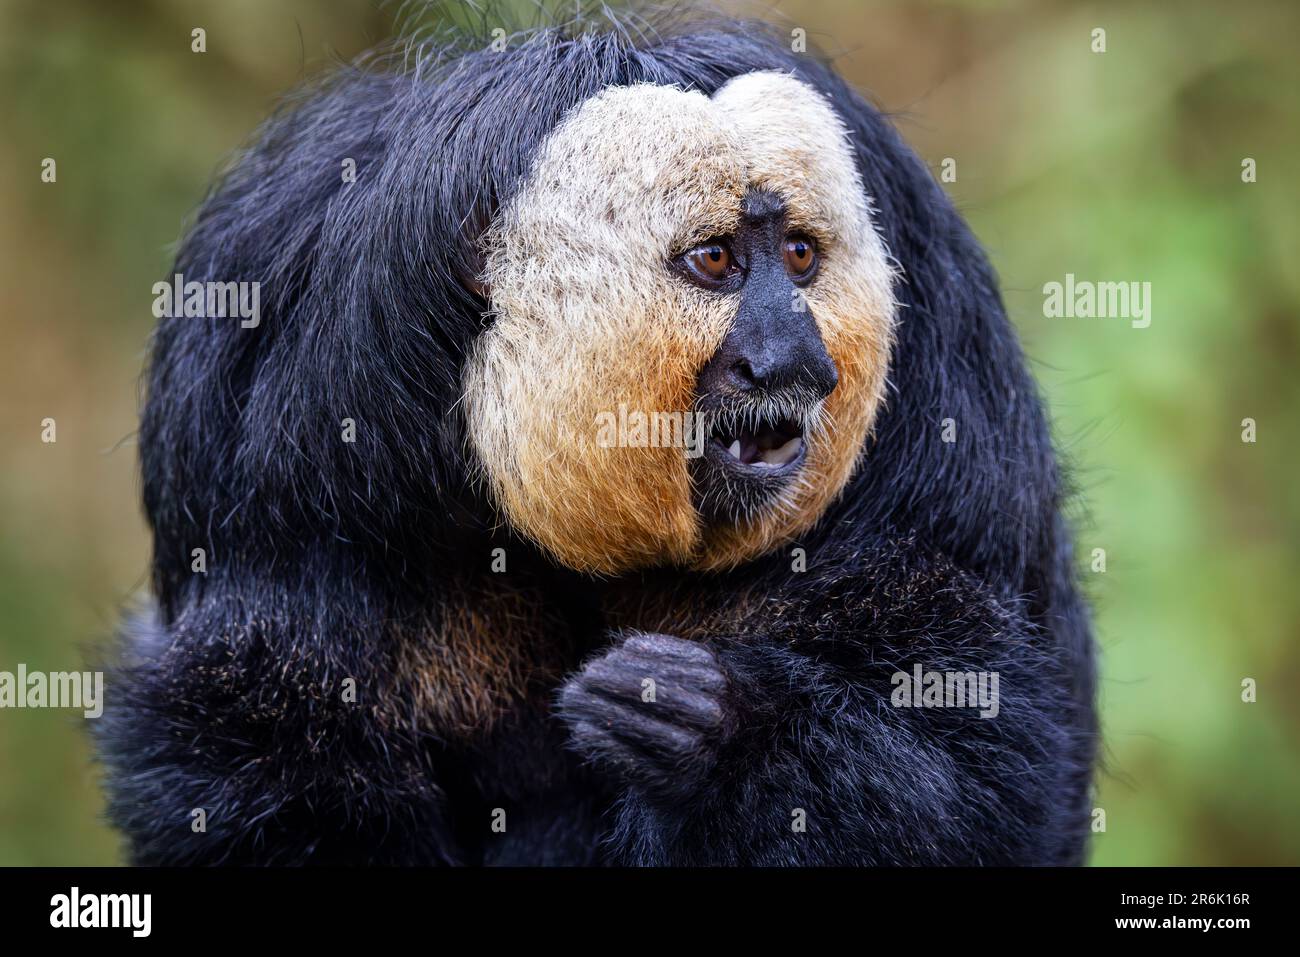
x=800 y=256
x=711 y=262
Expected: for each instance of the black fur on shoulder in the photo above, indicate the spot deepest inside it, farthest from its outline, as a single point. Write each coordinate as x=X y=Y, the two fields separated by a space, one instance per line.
x=329 y=561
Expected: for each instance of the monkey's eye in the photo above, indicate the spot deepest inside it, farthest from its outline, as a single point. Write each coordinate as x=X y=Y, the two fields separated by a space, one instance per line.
x=711 y=262
x=800 y=256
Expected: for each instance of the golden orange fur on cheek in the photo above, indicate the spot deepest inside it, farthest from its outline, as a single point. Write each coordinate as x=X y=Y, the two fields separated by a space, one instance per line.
x=589 y=320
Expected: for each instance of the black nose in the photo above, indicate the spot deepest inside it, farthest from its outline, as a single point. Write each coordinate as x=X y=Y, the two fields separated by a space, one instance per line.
x=785 y=356
x=796 y=365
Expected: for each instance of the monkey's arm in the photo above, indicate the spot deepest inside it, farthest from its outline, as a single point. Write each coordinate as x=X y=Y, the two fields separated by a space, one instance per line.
x=782 y=745
x=260 y=727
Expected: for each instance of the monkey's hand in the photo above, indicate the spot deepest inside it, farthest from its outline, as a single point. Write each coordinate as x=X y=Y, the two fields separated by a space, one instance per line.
x=651 y=709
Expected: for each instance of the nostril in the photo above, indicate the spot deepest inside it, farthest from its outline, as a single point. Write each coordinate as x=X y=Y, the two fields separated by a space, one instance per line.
x=765 y=372
x=815 y=372
x=832 y=376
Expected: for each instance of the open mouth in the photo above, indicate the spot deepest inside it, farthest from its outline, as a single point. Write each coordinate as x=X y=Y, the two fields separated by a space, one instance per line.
x=764 y=448
x=753 y=457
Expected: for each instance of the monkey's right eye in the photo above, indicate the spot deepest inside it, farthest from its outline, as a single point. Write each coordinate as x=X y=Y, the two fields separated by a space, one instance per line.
x=711 y=262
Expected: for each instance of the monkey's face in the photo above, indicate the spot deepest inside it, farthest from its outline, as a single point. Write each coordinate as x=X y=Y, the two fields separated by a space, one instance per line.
x=693 y=317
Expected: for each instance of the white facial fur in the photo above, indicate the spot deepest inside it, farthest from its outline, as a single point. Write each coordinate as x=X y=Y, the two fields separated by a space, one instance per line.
x=589 y=317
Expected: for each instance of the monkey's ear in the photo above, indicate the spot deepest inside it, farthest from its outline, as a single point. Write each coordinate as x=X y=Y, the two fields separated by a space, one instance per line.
x=476 y=286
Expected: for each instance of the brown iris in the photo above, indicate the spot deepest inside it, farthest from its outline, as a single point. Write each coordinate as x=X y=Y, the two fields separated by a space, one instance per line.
x=712 y=260
x=800 y=256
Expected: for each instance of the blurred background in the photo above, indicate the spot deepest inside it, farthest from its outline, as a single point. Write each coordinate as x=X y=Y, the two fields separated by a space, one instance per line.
x=1117 y=166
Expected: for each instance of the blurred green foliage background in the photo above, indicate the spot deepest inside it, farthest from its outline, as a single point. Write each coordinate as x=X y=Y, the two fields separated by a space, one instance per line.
x=1118 y=166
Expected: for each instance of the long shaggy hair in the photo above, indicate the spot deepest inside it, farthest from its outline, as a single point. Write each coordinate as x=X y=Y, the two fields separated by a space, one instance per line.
x=332 y=560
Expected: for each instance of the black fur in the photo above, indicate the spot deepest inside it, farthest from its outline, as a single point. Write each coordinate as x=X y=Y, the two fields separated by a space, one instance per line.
x=325 y=557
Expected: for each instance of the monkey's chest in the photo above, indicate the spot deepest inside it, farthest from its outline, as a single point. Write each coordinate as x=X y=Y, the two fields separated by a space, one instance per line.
x=520 y=796
x=517 y=791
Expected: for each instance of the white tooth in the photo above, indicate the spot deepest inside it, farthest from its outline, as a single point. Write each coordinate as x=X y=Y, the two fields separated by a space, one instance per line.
x=735 y=449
